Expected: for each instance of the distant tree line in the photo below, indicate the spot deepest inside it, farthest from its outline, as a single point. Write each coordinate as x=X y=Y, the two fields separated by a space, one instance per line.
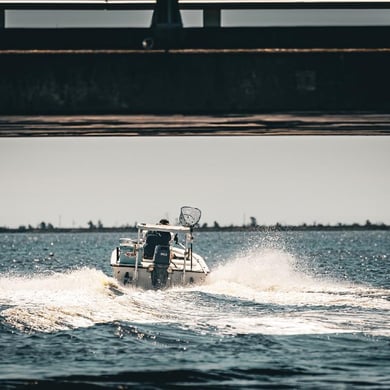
x=252 y=226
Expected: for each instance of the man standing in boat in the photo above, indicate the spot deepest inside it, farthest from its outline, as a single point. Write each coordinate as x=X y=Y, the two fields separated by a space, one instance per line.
x=154 y=238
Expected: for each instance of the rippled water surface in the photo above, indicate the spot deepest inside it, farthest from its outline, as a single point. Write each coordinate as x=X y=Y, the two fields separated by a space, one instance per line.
x=279 y=310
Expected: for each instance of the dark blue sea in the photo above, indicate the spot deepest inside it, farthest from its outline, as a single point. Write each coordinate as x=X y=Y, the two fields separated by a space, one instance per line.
x=280 y=310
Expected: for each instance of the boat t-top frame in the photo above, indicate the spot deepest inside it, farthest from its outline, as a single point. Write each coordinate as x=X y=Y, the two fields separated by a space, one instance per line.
x=187 y=231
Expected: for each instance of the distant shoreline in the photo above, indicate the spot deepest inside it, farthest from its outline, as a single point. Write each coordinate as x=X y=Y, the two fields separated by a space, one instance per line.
x=231 y=228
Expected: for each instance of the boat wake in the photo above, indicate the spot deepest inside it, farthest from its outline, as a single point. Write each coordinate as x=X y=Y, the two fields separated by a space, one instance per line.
x=295 y=302
x=276 y=277
x=263 y=292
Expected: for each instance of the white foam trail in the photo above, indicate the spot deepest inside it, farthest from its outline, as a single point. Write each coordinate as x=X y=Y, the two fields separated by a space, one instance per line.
x=276 y=325
x=271 y=276
x=266 y=270
x=64 y=301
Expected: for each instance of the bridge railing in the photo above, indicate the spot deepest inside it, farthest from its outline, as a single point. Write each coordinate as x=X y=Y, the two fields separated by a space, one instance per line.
x=211 y=9
x=192 y=4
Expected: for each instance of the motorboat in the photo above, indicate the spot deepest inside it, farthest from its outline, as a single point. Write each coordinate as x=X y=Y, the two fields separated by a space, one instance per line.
x=161 y=256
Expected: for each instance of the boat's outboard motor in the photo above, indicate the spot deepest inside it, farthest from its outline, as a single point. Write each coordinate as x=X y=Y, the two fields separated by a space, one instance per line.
x=161 y=264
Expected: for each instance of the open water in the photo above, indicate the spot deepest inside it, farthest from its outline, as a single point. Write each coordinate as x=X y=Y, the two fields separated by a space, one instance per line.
x=279 y=310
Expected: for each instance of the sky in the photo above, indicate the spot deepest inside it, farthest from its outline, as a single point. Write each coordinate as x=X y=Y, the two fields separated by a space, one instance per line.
x=123 y=180
x=290 y=180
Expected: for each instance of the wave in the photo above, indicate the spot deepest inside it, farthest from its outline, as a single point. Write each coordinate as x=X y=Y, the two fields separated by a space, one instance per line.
x=295 y=301
x=275 y=276
x=262 y=292
x=77 y=298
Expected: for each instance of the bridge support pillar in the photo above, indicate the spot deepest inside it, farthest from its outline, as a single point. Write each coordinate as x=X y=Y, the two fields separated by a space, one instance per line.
x=166 y=25
x=167 y=14
x=211 y=18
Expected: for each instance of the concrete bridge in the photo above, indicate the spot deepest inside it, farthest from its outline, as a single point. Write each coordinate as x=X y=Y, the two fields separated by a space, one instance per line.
x=212 y=71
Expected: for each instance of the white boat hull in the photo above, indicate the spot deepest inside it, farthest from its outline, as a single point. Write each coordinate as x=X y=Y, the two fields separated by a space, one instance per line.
x=143 y=277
